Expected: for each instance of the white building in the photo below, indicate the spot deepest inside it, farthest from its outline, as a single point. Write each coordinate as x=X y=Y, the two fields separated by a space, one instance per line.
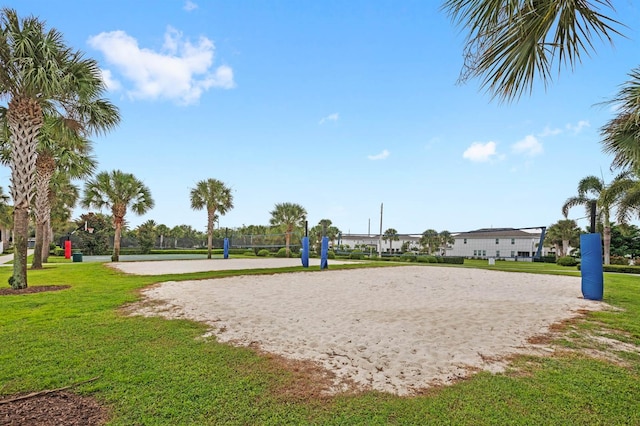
x=370 y=242
x=502 y=243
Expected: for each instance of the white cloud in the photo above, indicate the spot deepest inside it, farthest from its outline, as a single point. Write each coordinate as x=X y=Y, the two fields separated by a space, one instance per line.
x=181 y=72
x=381 y=156
x=480 y=152
x=530 y=146
x=548 y=131
x=330 y=117
x=112 y=84
x=577 y=128
x=189 y=6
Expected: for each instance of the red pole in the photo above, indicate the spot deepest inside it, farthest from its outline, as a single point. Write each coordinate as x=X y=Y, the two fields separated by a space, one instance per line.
x=67 y=249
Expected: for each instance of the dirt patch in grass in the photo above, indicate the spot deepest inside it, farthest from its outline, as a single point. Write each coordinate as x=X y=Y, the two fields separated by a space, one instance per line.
x=58 y=408
x=33 y=289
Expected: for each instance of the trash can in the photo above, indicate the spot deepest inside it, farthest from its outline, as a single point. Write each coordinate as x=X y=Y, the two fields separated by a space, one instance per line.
x=77 y=257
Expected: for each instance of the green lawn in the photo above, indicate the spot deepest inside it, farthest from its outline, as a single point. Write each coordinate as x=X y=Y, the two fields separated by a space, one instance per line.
x=153 y=371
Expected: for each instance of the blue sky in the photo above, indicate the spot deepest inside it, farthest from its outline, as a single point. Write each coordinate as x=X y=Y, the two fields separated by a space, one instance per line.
x=338 y=106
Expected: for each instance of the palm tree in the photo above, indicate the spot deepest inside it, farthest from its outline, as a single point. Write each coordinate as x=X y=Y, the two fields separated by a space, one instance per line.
x=446 y=239
x=593 y=189
x=390 y=235
x=118 y=191
x=288 y=216
x=163 y=231
x=562 y=235
x=621 y=135
x=213 y=195
x=40 y=75
x=430 y=240
x=63 y=150
x=511 y=44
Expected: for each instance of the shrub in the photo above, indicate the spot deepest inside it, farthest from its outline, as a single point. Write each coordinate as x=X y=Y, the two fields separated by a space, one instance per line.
x=249 y=253
x=58 y=251
x=408 y=257
x=427 y=259
x=356 y=254
x=282 y=252
x=618 y=260
x=567 y=261
x=263 y=253
x=331 y=254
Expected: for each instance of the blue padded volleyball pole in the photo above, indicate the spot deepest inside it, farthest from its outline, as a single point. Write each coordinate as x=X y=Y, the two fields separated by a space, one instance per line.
x=591 y=261
x=305 y=246
x=226 y=248
x=324 y=253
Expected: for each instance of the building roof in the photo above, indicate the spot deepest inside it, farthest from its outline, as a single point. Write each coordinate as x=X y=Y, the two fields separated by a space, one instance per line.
x=497 y=233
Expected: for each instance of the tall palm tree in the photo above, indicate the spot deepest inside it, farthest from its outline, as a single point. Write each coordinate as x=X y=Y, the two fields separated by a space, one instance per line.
x=510 y=44
x=390 y=235
x=216 y=197
x=593 y=189
x=118 y=191
x=67 y=152
x=40 y=75
x=288 y=216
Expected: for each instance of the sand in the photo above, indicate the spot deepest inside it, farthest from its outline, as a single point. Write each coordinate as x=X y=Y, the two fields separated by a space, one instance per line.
x=202 y=265
x=398 y=330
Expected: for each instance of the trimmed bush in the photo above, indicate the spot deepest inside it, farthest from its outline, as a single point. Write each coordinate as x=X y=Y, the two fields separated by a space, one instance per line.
x=282 y=252
x=567 y=261
x=58 y=251
x=331 y=254
x=264 y=253
x=427 y=259
x=249 y=253
x=451 y=260
x=408 y=257
x=356 y=254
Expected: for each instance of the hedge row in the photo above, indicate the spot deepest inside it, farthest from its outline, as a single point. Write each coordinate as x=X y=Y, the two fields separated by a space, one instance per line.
x=620 y=269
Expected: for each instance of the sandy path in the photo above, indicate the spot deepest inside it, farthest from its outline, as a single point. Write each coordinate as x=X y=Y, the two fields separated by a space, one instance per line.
x=391 y=329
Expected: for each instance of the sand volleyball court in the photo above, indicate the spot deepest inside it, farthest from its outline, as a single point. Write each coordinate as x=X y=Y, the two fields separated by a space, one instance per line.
x=396 y=330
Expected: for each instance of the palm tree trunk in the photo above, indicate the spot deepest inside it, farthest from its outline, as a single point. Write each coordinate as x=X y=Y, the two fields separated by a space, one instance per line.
x=46 y=241
x=20 y=233
x=116 y=240
x=287 y=240
x=607 y=244
x=24 y=117
x=45 y=167
x=565 y=247
x=39 y=246
x=607 y=237
x=210 y=218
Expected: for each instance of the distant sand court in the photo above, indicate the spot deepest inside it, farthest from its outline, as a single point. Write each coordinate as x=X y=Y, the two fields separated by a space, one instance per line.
x=398 y=330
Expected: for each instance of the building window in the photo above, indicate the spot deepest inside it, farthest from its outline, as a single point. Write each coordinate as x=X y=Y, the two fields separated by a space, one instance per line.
x=497 y=253
x=465 y=241
x=475 y=252
x=513 y=253
x=484 y=252
x=497 y=240
x=513 y=241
